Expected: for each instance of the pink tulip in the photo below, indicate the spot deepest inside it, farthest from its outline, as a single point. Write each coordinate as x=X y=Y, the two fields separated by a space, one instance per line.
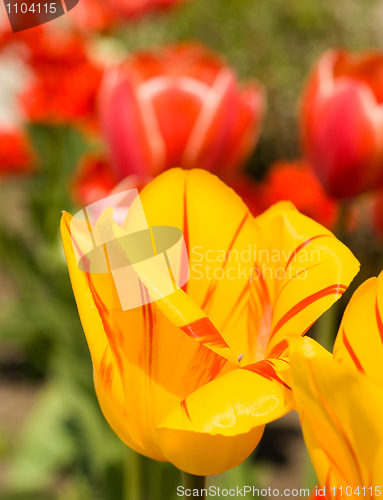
x=342 y=122
x=178 y=107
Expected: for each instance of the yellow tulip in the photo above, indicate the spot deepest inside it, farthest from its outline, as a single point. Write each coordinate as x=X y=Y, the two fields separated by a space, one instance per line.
x=340 y=399
x=166 y=374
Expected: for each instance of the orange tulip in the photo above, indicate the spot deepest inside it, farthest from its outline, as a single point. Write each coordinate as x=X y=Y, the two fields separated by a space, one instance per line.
x=178 y=107
x=342 y=122
x=193 y=378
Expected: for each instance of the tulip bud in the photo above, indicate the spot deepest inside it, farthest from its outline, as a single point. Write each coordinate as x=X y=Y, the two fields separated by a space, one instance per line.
x=179 y=107
x=342 y=122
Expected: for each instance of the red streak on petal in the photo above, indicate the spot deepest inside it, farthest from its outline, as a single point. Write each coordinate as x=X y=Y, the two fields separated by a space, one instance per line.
x=186 y=236
x=295 y=276
x=106 y=371
x=237 y=303
x=185 y=409
x=379 y=319
x=329 y=290
x=279 y=349
x=351 y=352
x=267 y=370
x=151 y=323
x=104 y=314
x=302 y=245
x=213 y=286
x=205 y=332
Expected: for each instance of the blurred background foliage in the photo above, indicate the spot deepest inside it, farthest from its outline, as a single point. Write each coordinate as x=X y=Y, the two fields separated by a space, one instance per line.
x=58 y=446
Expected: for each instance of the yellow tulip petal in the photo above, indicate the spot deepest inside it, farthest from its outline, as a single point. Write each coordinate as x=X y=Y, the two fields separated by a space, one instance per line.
x=343 y=410
x=238 y=261
x=143 y=364
x=220 y=235
x=359 y=342
x=221 y=423
x=175 y=304
x=304 y=269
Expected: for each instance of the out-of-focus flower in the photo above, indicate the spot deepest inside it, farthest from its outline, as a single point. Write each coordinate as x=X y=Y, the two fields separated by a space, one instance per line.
x=64 y=80
x=288 y=181
x=96 y=15
x=340 y=399
x=93 y=15
x=342 y=122
x=295 y=181
x=251 y=193
x=94 y=179
x=16 y=155
x=178 y=107
x=193 y=378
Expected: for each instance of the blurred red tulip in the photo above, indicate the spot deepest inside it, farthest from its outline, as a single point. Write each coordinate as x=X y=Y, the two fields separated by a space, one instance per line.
x=296 y=182
x=64 y=81
x=98 y=15
x=342 y=122
x=94 y=179
x=16 y=155
x=251 y=193
x=293 y=181
x=179 y=107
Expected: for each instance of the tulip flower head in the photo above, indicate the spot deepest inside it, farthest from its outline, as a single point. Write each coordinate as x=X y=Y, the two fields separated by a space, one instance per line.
x=95 y=15
x=192 y=376
x=295 y=181
x=62 y=80
x=340 y=399
x=178 y=107
x=342 y=122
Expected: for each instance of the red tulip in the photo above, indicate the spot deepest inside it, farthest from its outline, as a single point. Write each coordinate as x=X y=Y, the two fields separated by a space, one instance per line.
x=16 y=156
x=342 y=122
x=94 y=179
x=64 y=81
x=90 y=15
x=178 y=107
x=293 y=181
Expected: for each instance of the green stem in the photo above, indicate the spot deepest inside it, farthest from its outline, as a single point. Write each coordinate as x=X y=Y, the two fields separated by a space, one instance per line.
x=192 y=482
x=134 y=476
